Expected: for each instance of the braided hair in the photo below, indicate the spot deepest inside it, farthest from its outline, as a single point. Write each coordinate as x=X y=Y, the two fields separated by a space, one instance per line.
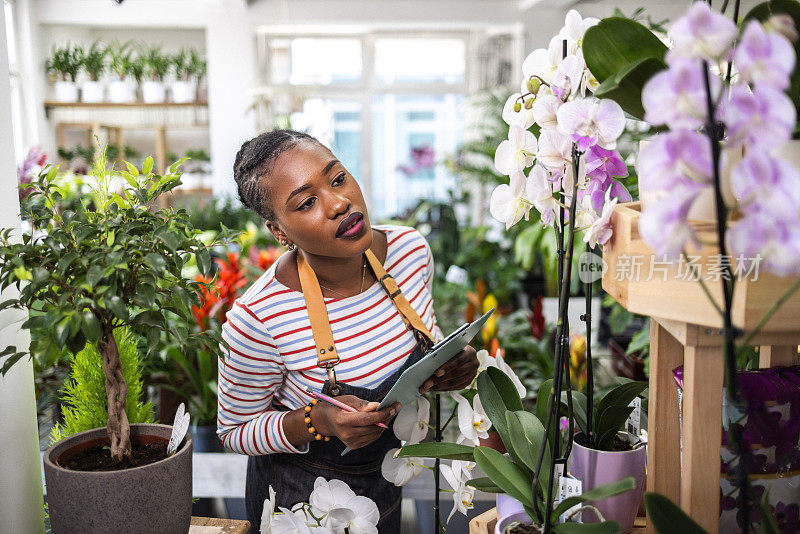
x=257 y=157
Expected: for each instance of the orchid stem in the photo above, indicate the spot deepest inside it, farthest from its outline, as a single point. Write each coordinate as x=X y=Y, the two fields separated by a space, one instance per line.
x=770 y=312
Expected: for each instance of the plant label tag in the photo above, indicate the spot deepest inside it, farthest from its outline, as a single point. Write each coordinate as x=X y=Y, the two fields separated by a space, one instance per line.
x=634 y=423
x=179 y=428
x=569 y=486
x=457 y=275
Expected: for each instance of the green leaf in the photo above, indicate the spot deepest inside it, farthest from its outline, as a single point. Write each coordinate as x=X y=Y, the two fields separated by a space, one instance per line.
x=446 y=451
x=543 y=398
x=117 y=307
x=133 y=170
x=498 y=395
x=667 y=517
x=625 y=87
x=95 y=274
x=609 y=422
x=485 y=484
x=156 y=262
x=579 y=410
x=621 y=395
x=175 y=166
x=606 y=527
x=507 y=475
x=148 y=165
x=9 y=362
x=596 y=494
x=65 y=261
x=91 y=326
x=204 y=261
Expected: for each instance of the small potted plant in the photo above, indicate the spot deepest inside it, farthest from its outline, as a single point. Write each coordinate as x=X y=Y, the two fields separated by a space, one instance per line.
x=120 y=89
x=184 y=88
x=93 y=61
x=82 y=274
x=156 y=66
x=605 y=451
x=64 y=63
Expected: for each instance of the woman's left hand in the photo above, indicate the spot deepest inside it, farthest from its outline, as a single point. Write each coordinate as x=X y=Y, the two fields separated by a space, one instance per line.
x=454 y=375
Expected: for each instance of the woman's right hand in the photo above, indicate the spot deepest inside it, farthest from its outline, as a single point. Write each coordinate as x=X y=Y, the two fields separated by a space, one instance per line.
x=355 y=429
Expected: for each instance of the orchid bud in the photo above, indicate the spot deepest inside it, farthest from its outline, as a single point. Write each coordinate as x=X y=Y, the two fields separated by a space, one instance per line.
x=517 y=107
x=533 y=85
x=782 y=24
x=529 y=103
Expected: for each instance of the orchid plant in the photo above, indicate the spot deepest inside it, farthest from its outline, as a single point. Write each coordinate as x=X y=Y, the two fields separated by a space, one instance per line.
x=332 y=508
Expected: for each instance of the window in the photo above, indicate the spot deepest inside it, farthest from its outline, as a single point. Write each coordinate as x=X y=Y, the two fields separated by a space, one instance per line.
x=16 y=89
x=389 y=105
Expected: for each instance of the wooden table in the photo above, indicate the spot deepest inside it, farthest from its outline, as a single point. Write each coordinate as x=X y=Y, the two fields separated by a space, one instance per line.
x=685 y=330
x=212 y=525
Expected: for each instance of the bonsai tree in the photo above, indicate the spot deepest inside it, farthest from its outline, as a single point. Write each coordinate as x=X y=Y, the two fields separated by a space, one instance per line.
x=64 y=62
x=84 y=273
x=93 y=60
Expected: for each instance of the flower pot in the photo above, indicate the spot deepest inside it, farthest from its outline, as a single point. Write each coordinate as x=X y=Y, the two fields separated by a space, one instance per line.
x=493 y=442
x=129 y=500
x=66 y=91
x=509 y=510
x=593 y=468
x=153 y=92
x=184 y=91
x=120 y=91
x=92 y=92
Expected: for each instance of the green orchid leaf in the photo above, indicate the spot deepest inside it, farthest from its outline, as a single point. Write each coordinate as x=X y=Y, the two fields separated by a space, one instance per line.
x=485 y=484
x=506 y=474
x=596 y=494
x=625 y=87
x=446 y=451
x=615 y=43
x=667 y=517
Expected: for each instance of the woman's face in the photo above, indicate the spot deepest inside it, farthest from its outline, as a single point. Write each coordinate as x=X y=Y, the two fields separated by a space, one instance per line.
x=317 y=204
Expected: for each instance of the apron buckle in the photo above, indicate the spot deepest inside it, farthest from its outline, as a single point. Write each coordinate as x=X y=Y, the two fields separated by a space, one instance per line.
x=329 y=366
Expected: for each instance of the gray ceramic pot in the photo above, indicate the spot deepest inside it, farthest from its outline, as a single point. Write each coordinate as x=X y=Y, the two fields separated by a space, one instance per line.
x=155 y=497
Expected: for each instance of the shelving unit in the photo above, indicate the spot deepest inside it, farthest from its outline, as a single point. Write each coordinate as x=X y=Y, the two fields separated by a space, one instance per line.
x=116 y=118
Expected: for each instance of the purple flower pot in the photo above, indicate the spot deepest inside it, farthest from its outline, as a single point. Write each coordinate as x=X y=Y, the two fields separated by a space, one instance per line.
x=509 y=510
x=595 y=468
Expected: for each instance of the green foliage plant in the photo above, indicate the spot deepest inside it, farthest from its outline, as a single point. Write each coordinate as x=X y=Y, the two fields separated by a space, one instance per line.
x=609 y=414
x=84 y=396
x=156 y=63
x=84 y=273
x=93 y=60
x=65 y=62
x=121 y=56
x=524 y=437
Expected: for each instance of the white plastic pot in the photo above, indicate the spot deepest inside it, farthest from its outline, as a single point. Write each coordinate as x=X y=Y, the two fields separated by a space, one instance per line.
x=120 y=91
x=184 y=91
x=66 y=91
x=93 y=92
x=153 y=92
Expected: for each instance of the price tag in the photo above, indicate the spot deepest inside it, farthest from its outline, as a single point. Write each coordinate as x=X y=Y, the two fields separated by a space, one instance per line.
x=456 y=275
x=569 y=486
x=634 y=423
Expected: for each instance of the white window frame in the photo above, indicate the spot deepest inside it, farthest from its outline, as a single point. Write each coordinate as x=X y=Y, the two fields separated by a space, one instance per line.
x=369 y=86
x=17 y=100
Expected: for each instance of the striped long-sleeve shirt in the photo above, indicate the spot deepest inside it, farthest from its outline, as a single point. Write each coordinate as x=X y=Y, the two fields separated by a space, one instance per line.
x=272 y=357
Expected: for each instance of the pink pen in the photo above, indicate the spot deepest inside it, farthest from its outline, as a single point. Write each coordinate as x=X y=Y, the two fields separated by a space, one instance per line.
x=343 y=406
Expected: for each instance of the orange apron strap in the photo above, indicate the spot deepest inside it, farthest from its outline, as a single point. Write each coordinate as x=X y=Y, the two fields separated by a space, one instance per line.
x=327 y=356
x=410 y=317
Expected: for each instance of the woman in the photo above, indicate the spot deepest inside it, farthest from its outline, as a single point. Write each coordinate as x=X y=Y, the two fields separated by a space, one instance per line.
x=326 y=285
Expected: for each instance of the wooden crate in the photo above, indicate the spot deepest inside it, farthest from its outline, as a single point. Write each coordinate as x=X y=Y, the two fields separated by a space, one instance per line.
x=212 y=525
x=659 y=290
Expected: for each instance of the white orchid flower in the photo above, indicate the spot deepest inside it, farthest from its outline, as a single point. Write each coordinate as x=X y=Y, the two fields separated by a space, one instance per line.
x=541 y=195
x=329 y=494
x=555 y=149
x=288 y=522
x=401 y=471
x=268 y=512
x=517 y=152
x=411 y=423
x=567 y=78
x=522 y=118
x=545 y=109
x=462 y=494
x=359 y=516
x=484 y=360
x=463 y=469
x=513 y=201
x=472 y=420
x=574 y=28
x=600 y=230
x=592 y=121
x=586 y=213
x=503 y=366
x=543 y=62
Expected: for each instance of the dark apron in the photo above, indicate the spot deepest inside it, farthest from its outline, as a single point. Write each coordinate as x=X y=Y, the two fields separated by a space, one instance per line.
x=292 y=476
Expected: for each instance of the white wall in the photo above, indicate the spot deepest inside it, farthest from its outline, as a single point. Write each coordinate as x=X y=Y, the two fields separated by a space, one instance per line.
x=21 y=505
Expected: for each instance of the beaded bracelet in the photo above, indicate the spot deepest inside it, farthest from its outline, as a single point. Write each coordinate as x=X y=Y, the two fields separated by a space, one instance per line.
x=310 y=425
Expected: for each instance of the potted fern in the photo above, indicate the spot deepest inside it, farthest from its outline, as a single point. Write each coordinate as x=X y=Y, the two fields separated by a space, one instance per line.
x=156 y=66
x=120 y=89
x=83 y=274
x=64 y=64
x=93 y=61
